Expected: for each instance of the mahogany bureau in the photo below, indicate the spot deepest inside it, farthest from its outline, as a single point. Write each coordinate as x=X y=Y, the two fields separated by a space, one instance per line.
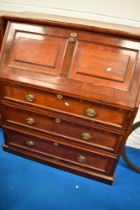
x=69 y=93
x=1 y=38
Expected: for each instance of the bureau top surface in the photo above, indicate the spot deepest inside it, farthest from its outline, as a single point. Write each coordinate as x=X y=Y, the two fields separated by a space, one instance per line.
x=116 y=29
x=90 y=65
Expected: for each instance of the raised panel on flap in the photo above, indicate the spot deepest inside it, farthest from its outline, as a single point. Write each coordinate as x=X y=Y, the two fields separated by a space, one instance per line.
x=96 y=60
x=37 y=49
x=103 y=64
x=40 y=52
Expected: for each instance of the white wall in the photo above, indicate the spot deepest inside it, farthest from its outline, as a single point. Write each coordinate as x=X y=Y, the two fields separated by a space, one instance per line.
x=116 y=11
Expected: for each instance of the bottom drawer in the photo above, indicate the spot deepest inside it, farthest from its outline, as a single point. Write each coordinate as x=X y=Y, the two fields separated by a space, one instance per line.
x=84 y=159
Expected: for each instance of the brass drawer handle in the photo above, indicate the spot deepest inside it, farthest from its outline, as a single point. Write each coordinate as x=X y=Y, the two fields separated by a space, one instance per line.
x=57 y=120
x=59 y=96
x=91 y=112
x=86 y=136
x=30 y=121
x=30 y=143
x=81 y=159
x=30 y=97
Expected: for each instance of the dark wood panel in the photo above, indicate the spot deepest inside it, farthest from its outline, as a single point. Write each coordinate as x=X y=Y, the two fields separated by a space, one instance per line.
x=103 y=64
x=38 y=52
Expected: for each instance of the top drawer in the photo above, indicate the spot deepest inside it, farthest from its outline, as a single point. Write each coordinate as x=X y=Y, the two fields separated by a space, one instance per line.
x=76 y=108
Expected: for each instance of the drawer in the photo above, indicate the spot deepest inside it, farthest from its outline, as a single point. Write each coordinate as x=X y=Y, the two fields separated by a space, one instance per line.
x=84 y=110
x=70 y=131
x=89 y=160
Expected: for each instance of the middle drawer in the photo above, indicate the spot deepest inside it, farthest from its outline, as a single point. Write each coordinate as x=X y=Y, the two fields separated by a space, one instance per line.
x=70 y=131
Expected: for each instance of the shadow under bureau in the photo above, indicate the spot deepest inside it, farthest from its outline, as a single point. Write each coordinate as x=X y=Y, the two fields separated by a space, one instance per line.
x=69 y=93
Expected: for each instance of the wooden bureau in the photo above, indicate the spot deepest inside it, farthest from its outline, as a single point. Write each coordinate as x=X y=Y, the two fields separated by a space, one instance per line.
x=2 y=28
x=69 y=93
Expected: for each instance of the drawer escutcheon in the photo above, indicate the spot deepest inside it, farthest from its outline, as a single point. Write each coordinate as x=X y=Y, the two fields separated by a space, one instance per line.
x=59 y=96
x=55 y=144
x=72 y=39
x=73 y=34
x=57 y=120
